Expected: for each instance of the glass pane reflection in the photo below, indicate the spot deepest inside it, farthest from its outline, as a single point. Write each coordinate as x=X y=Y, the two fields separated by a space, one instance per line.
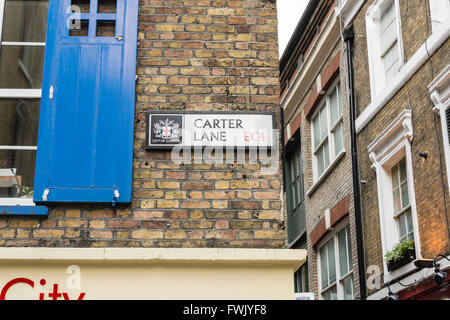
x=25 y=21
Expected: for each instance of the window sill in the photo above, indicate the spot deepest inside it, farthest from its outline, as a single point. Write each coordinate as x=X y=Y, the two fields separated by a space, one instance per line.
x=400 y=272
x=325 y=174
x=25 y=210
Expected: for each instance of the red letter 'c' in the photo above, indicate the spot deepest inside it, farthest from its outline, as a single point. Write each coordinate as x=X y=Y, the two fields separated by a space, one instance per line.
x=13 y=282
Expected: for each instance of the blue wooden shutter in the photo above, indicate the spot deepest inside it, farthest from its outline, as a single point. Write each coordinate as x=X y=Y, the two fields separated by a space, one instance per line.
x=85 y=143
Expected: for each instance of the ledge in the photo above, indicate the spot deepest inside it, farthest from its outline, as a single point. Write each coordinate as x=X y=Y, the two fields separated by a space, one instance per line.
x=400 y=272
x=325 y=174
x=6 y=211
x=296 y=258
x=349 y=9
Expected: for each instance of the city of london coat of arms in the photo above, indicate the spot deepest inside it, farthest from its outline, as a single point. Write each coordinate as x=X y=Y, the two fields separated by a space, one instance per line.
x=167 y=130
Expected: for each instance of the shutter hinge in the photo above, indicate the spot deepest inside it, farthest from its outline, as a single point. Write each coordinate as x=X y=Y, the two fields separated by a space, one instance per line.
x=50 y=94
x=119 y=37
x=116 y=196
x=45 y=194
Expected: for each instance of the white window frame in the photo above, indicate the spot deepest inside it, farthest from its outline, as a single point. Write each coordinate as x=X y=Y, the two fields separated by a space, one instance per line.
x=402 y=211
x=440 y=95
x=330 y=135
x=339 y=279
x=440 y=15
x=376 y=66
x=393 y=144
x=17 y=94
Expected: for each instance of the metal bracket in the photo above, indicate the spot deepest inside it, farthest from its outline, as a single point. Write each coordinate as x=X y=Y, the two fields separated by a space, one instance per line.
x=116 y=196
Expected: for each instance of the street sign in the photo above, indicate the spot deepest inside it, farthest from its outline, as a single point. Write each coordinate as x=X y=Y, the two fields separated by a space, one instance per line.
x=210 y=129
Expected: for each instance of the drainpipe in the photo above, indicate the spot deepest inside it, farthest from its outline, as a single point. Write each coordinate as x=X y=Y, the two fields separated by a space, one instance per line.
x=283 y=148
x=348 y=37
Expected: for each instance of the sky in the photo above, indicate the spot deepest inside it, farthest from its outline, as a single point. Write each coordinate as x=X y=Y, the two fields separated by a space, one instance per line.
x=289 y=14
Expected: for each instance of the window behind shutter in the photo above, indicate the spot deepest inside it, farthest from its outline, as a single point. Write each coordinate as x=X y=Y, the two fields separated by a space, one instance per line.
x=85 y=143
x=295 y=196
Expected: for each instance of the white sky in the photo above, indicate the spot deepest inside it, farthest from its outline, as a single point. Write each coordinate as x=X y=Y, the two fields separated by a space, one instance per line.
x=289 y=14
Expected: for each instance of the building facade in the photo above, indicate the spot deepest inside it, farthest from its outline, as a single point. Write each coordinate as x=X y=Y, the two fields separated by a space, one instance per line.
x=75 y=170
x=319 y=191
x=401 y=64
x=387 y=62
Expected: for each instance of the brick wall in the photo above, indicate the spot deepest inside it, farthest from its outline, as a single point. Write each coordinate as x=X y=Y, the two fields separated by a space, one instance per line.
x=430 y=189
x=209 y=55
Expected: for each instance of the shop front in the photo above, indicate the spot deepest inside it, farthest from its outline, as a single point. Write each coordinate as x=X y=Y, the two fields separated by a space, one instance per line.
x=142 y=274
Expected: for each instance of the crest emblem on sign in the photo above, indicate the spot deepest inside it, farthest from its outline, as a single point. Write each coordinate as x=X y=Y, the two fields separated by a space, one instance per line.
x=167 y=129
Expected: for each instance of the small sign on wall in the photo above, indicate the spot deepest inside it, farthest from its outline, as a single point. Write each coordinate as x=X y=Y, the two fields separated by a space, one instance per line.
x=166 y=130
x=304 y=296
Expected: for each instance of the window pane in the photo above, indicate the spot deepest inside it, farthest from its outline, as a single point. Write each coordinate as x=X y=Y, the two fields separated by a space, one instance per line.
x=388 y=16
x=19 y=121
x=106 y=28
x=84 y=5
x=410 y=225
x=348 y=288
x=25 y=21
x=331 y=294
x=316 y=127
x=300 y=278
x=343 y=258
x=293 y=183
x=298 y=178
x=402 y=165
x=323 y=267
x=388 y=37
x=391 y=62
x=295 y=197
x=405 y=196
x=349 y=248
x=17 y=173
x=394 y=174
x=320 y=161
x=292 y=169
x=338 y=139
x=397 y=203
x=21 y=67
x=387 y=60
x=335 y=105
x=331 y=261
x=323 y=123
x=79 y=29
x=107 y=6
x=297 y=164
x=298 y=281
x=326 y=150
x=402 y=225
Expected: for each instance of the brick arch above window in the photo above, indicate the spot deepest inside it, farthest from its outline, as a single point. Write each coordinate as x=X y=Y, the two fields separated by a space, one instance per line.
x=323 y=82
